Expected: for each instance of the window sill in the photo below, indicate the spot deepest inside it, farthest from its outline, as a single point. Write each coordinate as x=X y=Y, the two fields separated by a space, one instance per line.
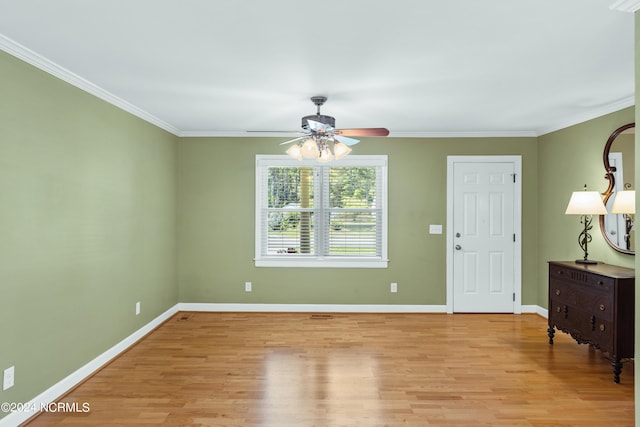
x=322 y=263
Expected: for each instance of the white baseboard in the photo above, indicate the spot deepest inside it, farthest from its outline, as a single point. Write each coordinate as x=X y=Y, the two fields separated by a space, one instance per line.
x=543 y=312
x=535 y=309
x=331 y=308
x=313 y=308
x=63 y=386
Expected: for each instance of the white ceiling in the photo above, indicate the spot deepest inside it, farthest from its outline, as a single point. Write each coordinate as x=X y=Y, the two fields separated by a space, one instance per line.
x=417 y=67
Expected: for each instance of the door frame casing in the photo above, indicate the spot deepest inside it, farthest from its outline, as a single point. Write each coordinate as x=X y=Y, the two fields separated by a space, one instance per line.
x=517 y=223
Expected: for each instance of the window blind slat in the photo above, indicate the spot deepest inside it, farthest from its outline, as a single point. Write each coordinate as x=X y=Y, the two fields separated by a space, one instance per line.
x=322 y=211
x=352 y=222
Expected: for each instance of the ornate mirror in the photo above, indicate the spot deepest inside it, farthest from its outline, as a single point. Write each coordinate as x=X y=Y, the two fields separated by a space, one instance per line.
x=618 y=157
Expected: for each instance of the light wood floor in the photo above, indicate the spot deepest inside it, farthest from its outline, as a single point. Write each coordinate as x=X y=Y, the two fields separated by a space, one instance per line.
x=344 y=370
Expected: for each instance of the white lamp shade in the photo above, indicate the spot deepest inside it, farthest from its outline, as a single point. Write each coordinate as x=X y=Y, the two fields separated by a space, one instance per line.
x=309 y=149
x=586 y=203
x=340 y=150
x=294 y=151
x=325 y=155
x=624 y=202
x=319 y=147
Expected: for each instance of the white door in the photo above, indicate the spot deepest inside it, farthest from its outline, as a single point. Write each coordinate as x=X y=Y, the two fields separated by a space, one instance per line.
x=482 y=235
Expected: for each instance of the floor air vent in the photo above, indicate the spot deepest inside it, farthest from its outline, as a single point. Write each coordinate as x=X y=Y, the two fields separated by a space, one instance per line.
x=321 y=316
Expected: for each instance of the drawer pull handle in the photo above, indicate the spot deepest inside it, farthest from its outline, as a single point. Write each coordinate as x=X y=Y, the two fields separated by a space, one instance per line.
x=560 y=272
x=557 y=291
x=602 y=328
x=602 y=307
x=600 y=282
x=558 y=309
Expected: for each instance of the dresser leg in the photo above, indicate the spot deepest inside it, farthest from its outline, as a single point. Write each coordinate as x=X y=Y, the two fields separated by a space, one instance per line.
x=617 y=369
x=551 y=332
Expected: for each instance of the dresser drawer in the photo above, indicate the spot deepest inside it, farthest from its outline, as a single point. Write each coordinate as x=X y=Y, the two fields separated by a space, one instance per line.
x=603 y=335
x=591 y=300
x=581 y=277
x=584 y=327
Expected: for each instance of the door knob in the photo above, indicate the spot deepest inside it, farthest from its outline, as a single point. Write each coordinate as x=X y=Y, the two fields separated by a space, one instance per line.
x=457 y=234
x=458 y=247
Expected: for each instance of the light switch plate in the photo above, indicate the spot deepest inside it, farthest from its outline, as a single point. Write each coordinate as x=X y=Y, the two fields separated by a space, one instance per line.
x=435 y=228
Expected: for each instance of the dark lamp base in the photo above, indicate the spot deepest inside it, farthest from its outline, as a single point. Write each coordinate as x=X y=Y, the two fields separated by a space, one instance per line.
x=586 y=261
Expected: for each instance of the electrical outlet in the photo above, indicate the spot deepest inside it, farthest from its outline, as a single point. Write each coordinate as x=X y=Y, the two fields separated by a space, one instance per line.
x=137 y=308
x=247 y=286
x=394 y=287
x=8 y=378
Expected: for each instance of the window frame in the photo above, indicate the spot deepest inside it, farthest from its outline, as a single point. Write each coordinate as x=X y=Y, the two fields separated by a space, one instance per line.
x=263 y=162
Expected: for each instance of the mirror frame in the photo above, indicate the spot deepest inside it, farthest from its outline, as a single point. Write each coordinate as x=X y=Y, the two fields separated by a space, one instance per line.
x=609 y=176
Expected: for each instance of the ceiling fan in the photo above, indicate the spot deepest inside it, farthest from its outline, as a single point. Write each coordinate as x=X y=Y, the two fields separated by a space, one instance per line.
x=322 y=141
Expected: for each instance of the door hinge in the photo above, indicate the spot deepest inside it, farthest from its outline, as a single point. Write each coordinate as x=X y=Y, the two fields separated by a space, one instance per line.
x=514 y=177
x=514 y=297
x=514 y=237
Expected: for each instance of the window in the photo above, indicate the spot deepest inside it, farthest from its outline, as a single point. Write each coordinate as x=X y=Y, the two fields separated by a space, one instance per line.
x=310 y=214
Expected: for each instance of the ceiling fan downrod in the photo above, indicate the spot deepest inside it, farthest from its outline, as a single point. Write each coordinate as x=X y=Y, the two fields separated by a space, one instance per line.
x=327 y=120
x=319 y=102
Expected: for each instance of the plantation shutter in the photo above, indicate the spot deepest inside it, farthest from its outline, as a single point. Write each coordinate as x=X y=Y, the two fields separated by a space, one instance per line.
x=321 y=215
x=289 y=215
x=353 y=217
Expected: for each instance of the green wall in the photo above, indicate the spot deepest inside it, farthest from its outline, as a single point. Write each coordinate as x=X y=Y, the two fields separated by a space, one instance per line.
x=216 y=224
x=569 y=159
x=87 y=226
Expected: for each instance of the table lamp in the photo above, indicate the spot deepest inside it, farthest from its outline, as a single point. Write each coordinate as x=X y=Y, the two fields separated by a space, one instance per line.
x=625 y=203
x=585 y=203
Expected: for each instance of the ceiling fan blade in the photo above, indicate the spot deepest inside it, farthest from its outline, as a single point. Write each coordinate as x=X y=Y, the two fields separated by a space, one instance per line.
x=346 y=140
x=319 y=127
x=293 y=140
x=274 y=131
x=363 y=132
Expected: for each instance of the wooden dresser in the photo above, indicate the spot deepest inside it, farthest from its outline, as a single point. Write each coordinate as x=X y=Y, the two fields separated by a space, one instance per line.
x=595 y=305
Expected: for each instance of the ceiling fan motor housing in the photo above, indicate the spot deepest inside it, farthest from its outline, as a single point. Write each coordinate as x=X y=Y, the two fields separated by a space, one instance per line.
x=327 y=120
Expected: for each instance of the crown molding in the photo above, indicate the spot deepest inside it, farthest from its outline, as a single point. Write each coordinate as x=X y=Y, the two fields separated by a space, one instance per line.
x=237 y=134
x=626 y=5
x=626 y=102
x=21 y=52
x=470 y=134
x=478 y=134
